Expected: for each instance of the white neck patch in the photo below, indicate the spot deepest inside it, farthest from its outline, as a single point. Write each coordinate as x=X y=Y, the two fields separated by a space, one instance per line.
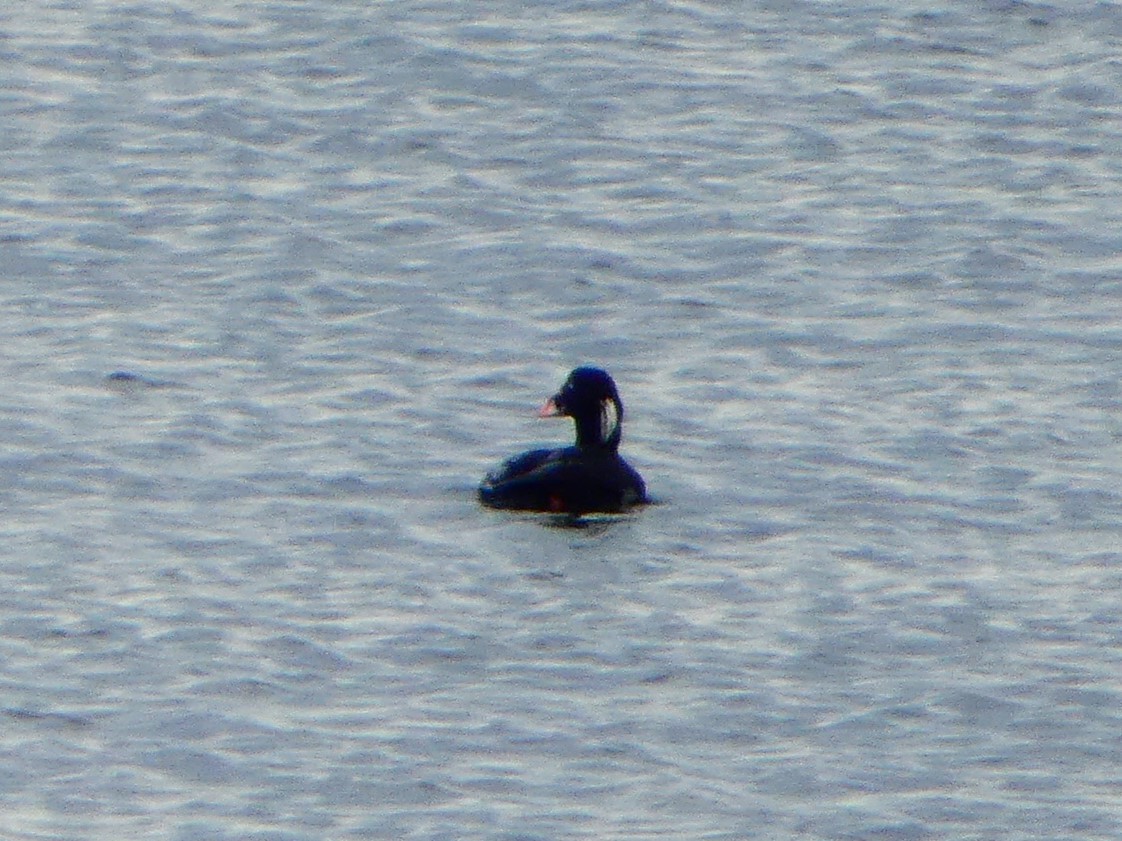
x=609 y=419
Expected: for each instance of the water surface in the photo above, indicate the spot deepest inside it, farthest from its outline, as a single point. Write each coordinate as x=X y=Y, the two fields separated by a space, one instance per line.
x=283 y=280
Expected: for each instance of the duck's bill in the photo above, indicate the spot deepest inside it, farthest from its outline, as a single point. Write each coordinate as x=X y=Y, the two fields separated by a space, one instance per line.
x=550 y=409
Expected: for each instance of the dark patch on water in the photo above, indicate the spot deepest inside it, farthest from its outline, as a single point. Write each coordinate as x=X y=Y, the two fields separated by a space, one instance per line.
x=128 y=381
x=70 y=720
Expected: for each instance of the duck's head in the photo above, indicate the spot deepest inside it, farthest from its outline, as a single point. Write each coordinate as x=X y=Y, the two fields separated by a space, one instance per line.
x=590 y=398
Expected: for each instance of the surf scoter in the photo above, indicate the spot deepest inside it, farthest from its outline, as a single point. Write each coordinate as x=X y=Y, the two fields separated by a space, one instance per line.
x=589 y=476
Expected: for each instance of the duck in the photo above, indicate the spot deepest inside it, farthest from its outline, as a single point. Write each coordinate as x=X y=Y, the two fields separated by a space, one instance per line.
x=588 y=477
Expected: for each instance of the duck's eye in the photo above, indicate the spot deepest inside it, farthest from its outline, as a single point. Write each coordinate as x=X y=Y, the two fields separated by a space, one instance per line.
x=609 y=419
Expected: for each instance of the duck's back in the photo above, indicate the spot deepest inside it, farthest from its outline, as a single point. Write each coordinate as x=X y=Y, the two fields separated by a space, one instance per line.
x=571 y=480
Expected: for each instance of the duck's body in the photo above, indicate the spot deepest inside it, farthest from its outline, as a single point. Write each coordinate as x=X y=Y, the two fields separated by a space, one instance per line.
x=567 y=480
x=589 y=476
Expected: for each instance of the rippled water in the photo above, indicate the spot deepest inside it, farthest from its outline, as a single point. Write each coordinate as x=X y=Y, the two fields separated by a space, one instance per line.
x=857 y=270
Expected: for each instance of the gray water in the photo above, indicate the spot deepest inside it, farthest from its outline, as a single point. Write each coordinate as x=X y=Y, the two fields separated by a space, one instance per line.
x=857 y=270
